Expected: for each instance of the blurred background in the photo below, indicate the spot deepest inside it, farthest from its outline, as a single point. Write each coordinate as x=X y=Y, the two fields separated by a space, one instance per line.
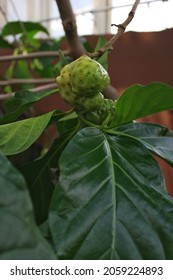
x=93 y=16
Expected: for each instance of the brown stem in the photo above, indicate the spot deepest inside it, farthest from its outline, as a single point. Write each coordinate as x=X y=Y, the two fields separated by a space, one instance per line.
x=6 y=96
x=32 y=55
x=27 y=81
x=70 y=28
x=121 y=30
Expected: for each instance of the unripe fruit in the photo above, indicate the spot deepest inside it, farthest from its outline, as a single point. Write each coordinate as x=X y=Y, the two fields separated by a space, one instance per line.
x=88 y=77
x=99 y=115
x=81 y=82
x=91 y=103
x=63 y=82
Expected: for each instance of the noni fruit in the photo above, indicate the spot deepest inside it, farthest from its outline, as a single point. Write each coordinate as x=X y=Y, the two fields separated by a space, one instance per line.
x=88 y=77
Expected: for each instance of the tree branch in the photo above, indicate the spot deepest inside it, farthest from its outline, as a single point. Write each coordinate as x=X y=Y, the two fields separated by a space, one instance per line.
x=27 y=81
x=121 y=30
x=70 y=28
x=32 y=55
x=6 y=96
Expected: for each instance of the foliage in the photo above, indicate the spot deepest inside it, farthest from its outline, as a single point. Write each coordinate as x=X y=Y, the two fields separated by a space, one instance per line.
x=98 y=192
x=20 y=237
x=24 y=40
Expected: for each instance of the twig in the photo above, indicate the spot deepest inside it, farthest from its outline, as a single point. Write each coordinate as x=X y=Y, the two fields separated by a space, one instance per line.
x=27 y=81
x=121 y=30
x=3 y=13
x=6 y=96
x=32 y=55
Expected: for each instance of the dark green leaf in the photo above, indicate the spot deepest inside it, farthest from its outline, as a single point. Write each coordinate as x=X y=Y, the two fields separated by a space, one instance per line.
x=138 y=101
x=41 y=174
x=18 y=27
x=18 y=136
x=67 y=122
x=156 y=138
x=21 y=102
x=5 y=44
x=19 y=237
x=110 y=202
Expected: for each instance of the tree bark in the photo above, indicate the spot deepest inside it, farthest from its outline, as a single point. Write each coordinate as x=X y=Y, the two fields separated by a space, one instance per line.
x=70 y=28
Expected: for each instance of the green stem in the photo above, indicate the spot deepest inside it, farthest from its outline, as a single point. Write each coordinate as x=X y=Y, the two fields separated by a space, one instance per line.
x=87 y=122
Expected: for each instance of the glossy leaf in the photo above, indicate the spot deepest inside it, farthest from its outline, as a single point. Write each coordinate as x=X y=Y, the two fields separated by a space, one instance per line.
x=21 y=102
x=111 y=201
x=156 y=138
x=19 y=237
x=18 y=27
x=41 y=174
x=18 y=136
x=138 y=101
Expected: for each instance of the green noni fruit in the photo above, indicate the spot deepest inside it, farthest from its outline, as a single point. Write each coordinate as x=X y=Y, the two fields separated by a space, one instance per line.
x=91 y=103
x=63 y=82
x=88 y=77
x=99 y=116
x=81 y=82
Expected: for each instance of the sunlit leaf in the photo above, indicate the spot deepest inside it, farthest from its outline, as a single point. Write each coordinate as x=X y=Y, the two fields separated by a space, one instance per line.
x=18 y=136
x=138 y=101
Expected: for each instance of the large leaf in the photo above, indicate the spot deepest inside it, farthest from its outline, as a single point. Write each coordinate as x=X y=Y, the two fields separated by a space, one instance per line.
x=40 y=176
x=18 y=27
x=156 y=138
x=111 y=201
x=138 y=101
x=19 y=236
x=18 y=136
x=21 y=102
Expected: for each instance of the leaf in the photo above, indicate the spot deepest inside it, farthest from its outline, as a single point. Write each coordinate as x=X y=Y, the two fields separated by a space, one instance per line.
x=156 y=138
x=5 y=44
x=41 y=174
x=103 y=59
x=22 y=70
x=21 y=102
x=68 y=122
x=100 y=43
x=18 y=27
x=18 y=136
x=86 y=44
x=139 y=101
x=110 y=202
x=61 y=63
x=20 y=239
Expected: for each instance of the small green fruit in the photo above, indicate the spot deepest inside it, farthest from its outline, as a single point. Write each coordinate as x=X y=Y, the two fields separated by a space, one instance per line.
x=91 y=103
x=88 y=77
x=63 y=82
